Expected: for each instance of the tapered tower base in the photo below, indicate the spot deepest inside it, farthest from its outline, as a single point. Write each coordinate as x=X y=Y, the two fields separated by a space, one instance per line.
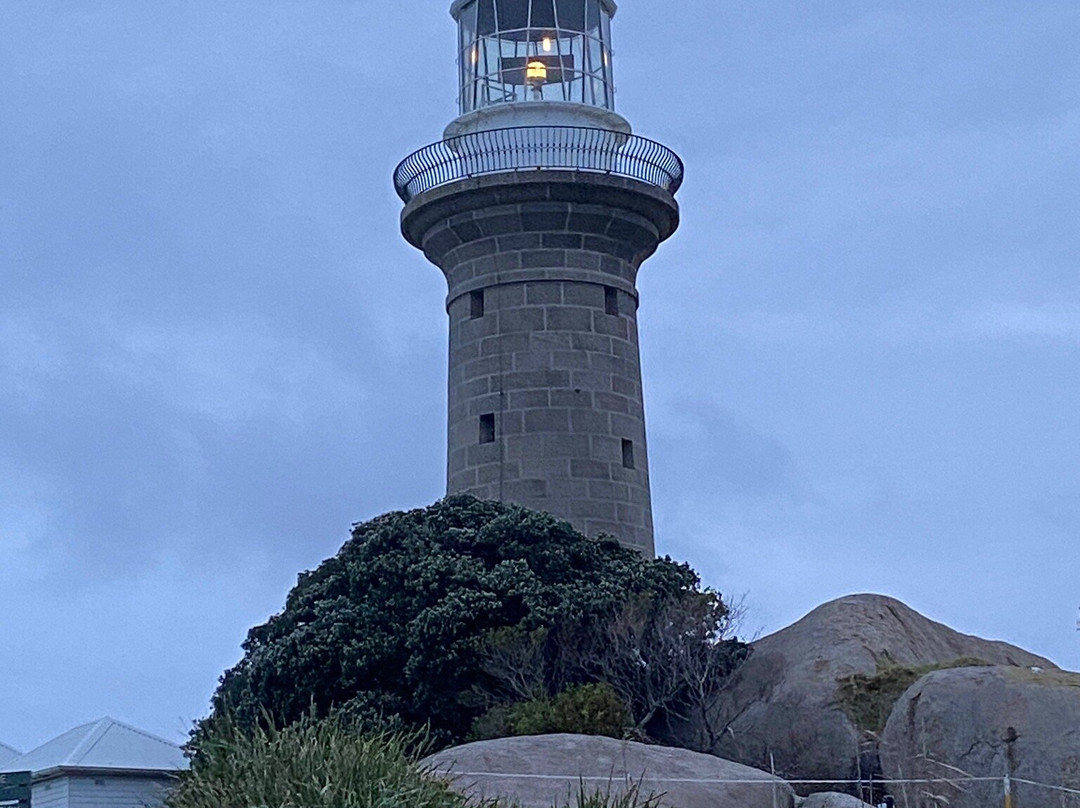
x=545 y=398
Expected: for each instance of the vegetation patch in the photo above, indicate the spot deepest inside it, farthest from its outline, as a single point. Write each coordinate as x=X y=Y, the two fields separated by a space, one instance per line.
x=329 y=763
x=427 y=620
x=868 y=699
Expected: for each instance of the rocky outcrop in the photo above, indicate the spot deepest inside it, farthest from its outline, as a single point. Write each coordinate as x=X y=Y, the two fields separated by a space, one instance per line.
x=783 y=701
x=959 y=722
x=830 y=799
x=542 y=770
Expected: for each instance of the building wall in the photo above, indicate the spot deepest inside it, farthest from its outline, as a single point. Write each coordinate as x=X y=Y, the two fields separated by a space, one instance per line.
x=100 y=791
x=545 y=391
x=50 y=793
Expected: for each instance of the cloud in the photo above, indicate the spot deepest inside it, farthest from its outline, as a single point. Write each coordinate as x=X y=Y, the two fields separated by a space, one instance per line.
x=1049 y=323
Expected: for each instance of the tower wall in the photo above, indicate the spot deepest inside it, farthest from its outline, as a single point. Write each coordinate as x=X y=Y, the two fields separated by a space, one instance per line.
x=545 y=397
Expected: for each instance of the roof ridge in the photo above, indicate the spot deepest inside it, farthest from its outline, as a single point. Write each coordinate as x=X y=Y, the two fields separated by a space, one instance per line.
x=144 y=733
x=89 y=741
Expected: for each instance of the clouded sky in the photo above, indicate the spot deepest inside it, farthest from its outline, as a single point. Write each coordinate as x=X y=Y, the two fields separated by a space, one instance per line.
x=861 y=351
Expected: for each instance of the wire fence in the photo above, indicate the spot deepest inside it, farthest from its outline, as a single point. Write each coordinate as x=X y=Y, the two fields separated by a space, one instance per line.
x=914 y=792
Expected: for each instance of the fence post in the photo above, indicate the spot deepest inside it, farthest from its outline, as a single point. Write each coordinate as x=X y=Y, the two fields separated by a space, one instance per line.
x=1008 y=792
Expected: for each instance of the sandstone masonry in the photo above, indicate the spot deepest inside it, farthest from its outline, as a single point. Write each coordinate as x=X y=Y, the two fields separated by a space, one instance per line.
x=545 y=397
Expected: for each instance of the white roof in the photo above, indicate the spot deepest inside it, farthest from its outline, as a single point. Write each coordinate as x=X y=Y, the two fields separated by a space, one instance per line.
x=103 y=744
x=8 y=753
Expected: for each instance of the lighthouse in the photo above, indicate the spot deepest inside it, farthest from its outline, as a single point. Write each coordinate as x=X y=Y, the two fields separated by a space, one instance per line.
x=540 y=204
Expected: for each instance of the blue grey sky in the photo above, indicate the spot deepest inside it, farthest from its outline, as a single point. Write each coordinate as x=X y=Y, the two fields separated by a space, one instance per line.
x=861 y=350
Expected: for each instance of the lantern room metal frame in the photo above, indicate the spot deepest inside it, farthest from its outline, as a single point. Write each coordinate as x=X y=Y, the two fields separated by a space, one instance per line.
x=534 y=50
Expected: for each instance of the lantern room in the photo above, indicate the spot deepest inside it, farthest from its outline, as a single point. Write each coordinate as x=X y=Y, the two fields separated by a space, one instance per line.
x=513 y=51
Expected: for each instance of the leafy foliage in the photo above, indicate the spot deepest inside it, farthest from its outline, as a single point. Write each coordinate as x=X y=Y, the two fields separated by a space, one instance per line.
x=868 y=699
x=311 y=763
x=396 y=625
x=590 y=709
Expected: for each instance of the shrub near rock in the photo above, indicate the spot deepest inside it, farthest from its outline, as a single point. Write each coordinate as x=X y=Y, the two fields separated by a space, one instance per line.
x=396 y=627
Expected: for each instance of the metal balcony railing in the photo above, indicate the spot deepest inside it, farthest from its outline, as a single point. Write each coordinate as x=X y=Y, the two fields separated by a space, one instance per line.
x=544 y=148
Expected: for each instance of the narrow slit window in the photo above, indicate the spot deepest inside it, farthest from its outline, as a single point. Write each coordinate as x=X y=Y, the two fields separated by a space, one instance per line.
x=611 y=300
x=487 y=428
x=628 y=453
x=476 y=304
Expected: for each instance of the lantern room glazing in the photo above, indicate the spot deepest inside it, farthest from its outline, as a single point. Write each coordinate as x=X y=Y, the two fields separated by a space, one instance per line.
x=534 y=50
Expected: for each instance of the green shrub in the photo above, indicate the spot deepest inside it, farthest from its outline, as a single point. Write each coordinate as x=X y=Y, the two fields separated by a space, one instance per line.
x=868 y=699
x=395 y=626
x=591 y=709
x=311 y=763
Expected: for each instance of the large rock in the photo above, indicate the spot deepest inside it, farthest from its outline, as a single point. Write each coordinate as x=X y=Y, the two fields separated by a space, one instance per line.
x=830 y=799
x=956 y=722
x=783 y=701
x=538 y=771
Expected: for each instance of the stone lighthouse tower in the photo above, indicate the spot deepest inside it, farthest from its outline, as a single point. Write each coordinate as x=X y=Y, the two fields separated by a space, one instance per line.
x=539 y=206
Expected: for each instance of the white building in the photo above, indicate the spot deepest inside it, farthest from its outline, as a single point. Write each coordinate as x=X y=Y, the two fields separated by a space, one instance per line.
x=104 y=764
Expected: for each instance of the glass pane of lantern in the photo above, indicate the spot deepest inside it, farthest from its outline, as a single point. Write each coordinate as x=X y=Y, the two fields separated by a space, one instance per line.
x=592 y=19
x=485 y=23
x=543 y=14
x=571 y=14
x=513 y=14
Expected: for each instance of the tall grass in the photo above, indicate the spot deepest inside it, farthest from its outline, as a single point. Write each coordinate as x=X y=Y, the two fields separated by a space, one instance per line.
x=325 y=764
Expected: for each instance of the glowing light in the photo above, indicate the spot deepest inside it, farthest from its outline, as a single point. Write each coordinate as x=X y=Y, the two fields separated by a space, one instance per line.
x=536 y=72
x=547 y=44
x=475 y=54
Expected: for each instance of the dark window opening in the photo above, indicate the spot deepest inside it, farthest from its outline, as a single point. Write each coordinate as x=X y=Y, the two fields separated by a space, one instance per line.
x=476 y=304
x=628 y=453
x=611 y=300
x=487 y=428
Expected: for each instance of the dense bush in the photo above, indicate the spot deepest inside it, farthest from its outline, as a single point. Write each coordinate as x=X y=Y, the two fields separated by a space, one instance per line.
x=311 y=763
x=405 y=624
x=592 y=709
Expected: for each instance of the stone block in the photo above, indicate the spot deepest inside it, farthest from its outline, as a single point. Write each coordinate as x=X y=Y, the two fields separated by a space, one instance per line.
x=542 y=258
x=525 y=490
x=525 y=318
x=519 y=241
x=521 y=446
x=625 y=386
x=600 y=343
x=543 y=292
x=590 y=295
x=565 y=445
x=583 y=259
x=590 y=422
x=547 y=420
x=507 y=295
x=480 y=453
x=593 y=509
x=533 y=360
x=589 y=469
x=561 y=241
x=529 y=379
x=569 y=318
x=575 y=399
x=527 y=399
x=605 y=489
x=569 y=360
x=591 y=380
x=504 y=344
x=611 y=325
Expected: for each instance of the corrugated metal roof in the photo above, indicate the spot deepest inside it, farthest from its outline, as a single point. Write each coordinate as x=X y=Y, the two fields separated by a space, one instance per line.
x=8 y=753
x=103 y=744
